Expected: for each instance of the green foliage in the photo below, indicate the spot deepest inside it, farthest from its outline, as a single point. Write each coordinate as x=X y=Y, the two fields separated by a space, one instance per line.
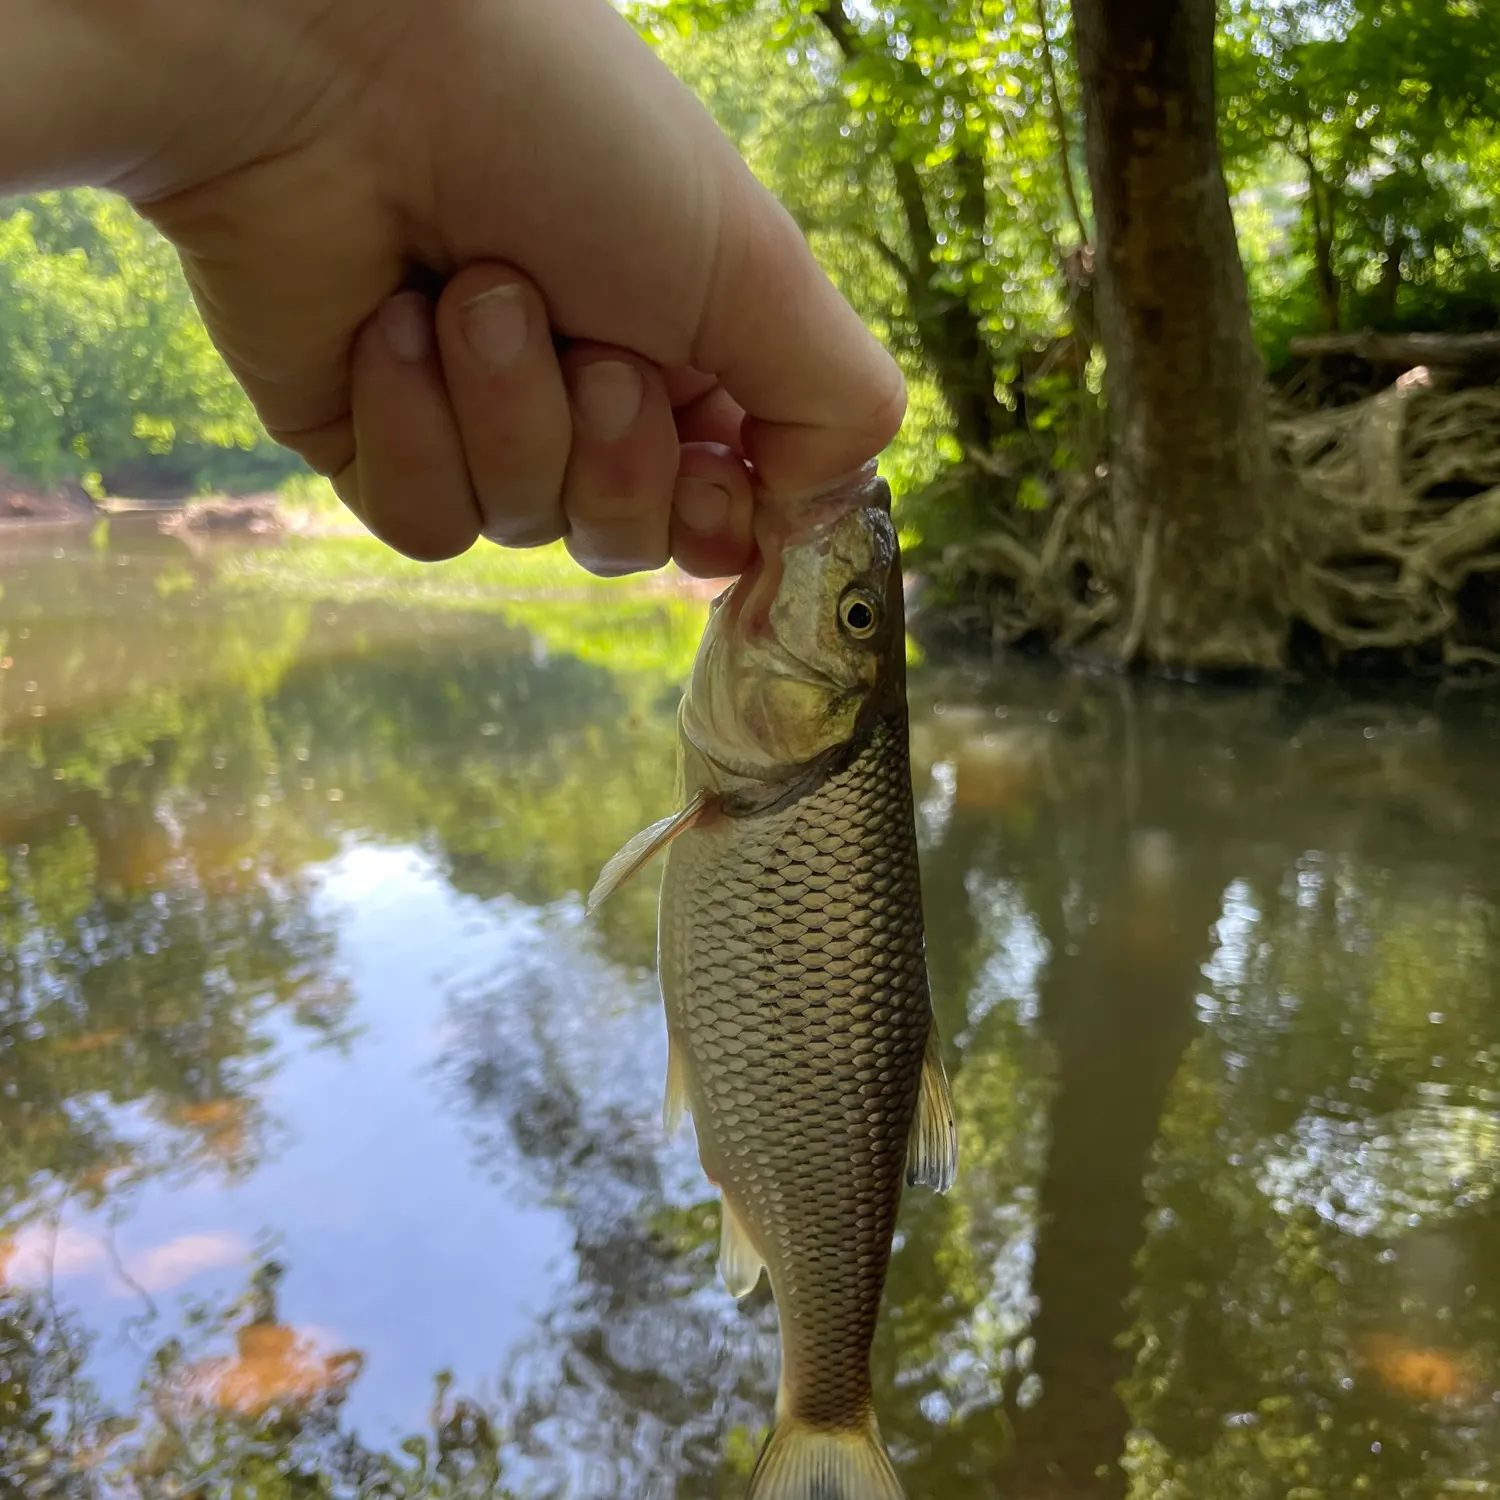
x=104 y=362
x=309 y=494
x=915 y=147
x=1380 y=116
x=932 y=152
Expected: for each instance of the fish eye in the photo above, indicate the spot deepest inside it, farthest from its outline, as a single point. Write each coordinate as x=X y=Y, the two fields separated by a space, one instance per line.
x=859 y=614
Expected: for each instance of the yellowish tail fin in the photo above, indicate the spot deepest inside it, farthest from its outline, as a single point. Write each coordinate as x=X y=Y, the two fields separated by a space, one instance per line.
x=812 y=1463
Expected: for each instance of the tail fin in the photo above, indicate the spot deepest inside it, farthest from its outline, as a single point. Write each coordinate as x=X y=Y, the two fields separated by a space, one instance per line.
x=812 y=1463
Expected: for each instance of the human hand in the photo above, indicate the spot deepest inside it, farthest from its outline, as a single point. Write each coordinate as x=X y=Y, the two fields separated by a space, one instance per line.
x=613 y=318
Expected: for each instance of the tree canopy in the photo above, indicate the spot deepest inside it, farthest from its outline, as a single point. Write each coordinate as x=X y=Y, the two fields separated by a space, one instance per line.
x=1380 y=116
x=933 y=152
x=105 y=367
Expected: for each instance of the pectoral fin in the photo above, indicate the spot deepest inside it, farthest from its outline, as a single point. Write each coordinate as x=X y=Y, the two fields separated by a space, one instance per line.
x=932 y=1155
x=639 y=850
x=740 y=1263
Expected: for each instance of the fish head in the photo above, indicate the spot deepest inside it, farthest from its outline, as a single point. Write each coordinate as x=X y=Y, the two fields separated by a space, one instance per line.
x=802 y=647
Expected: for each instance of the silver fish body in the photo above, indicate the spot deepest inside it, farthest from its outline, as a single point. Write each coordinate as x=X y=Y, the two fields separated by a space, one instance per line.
x=791 y=959
x=792 y=967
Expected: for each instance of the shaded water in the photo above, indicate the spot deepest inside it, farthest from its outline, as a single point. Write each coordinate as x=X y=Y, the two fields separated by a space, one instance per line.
x=330 y=1160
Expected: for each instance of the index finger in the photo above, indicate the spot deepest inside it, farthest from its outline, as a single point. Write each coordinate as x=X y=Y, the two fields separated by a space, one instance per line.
x=821 y=396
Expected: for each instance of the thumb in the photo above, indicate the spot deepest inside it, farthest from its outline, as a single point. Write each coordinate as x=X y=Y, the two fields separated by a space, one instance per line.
x=820 y=394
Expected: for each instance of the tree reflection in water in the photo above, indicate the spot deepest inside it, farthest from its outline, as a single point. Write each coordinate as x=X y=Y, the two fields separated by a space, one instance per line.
x=1216 y=971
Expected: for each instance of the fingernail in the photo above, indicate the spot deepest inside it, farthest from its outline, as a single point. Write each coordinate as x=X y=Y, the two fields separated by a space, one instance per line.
x=612 y=552
x=858 y=478
x=699 y=505
x=614 y=567
x=406 y=322
x=494 y=323
x=608 y=397
x=523 y=531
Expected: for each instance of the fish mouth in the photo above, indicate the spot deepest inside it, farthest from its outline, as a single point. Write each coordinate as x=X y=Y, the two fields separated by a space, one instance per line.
x=807 y=514
x=749 y=600
x=786 y=663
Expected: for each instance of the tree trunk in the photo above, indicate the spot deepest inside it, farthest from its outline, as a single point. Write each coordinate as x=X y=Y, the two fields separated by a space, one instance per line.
x=1390 y=280
x=1194 y=485
x=948 y=327
x=1320 y=207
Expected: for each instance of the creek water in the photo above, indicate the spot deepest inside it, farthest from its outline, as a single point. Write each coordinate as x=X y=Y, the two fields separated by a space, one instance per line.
x=330 y=1154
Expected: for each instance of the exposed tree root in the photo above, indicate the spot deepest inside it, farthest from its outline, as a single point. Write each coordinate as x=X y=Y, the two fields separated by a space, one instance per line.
x=1395 y=546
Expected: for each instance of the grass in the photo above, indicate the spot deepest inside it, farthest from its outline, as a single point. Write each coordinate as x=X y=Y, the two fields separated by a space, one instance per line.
x=647 y=624
x=347 y=567
x=344 y=558
x=310 y=495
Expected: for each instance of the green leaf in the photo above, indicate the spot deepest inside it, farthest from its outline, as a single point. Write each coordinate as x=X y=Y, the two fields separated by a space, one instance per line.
x=1032 y=494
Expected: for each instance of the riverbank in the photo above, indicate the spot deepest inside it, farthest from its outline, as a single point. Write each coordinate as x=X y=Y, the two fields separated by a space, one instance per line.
x=25 y=504
x=282 y=546
x=28 y=501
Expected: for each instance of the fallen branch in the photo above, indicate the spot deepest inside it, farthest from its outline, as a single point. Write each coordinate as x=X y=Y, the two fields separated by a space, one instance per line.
x=1452 y=350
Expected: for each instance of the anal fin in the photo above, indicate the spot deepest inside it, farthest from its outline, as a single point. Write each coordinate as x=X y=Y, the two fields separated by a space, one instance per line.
x=932 y=1153
x=740 y=1263
x=674 y=1109
x=640 y=850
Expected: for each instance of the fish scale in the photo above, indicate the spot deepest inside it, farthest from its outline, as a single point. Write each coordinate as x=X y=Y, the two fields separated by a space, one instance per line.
x=792 y=967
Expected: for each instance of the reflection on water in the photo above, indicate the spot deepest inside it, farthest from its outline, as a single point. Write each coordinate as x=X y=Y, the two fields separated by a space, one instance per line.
x=330 y=1160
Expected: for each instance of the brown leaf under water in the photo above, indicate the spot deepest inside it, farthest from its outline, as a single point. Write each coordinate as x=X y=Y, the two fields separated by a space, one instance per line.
x=93 y=1041
x=104 y=1176
x=223 y=1123
x=210 y=1113
x=1420 y=1374
x=273 y=1365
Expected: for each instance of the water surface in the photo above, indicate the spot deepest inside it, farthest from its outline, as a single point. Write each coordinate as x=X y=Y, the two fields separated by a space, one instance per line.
x=330 y=1155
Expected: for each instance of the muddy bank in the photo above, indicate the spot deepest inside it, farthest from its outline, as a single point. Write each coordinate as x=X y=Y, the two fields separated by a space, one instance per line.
x=266 y=516
x=245 y=515
x=29 y=500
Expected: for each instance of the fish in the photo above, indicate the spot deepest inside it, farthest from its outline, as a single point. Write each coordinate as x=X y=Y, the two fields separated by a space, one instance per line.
x=801 y=1038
